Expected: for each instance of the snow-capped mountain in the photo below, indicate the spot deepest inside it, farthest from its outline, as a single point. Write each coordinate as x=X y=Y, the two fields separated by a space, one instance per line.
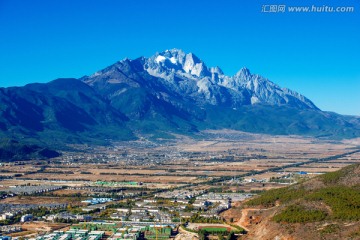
x=178 y=91
x=190 y=76
x=169 y=92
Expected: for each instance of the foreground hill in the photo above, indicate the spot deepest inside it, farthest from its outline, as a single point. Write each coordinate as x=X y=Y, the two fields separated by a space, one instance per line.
x=170 y=92
x=11 y=150
x=325 y=207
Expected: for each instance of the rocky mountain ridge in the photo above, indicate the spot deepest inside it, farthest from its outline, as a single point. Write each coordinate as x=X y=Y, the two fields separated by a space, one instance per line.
x=170 y=92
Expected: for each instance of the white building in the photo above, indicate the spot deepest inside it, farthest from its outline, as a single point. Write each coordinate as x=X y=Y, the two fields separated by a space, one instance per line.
x=26 y=218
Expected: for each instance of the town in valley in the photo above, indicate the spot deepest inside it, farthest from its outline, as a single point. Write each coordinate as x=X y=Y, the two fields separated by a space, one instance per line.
x=146 y=189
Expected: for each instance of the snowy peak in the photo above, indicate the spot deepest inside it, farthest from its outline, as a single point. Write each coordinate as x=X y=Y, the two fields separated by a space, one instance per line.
x=213 y=86
x=186 y=75
x=176 y=60
x=216 y=70
x=244 y=73
x=195 y=66
x=174 y=56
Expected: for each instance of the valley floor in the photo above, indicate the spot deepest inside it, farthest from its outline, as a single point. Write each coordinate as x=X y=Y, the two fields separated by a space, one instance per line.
x=166 y=183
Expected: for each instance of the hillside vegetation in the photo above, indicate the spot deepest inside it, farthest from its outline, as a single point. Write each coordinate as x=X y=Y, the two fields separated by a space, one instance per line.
x=332 y=196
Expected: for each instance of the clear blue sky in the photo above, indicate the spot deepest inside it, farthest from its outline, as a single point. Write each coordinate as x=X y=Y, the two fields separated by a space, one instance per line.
x=316 y=54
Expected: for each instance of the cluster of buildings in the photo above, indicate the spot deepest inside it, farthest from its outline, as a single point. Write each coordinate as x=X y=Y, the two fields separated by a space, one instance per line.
x=8 y=211
x=68 y=217
x=152 y=231
x=10 y=229
x=152 y=218
x=94 y=201
x=146 y=213
x=116 y=184
x=146 y=218
x=180 y=194
x=126 y=232
x=209 y=205
x=104 y=190
x=28 y=190
x=10 y=215
x=254 y=180
x=213 y=197
x=73 y=234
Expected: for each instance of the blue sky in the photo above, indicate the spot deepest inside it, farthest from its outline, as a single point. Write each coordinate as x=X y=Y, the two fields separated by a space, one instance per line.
x=316 y=54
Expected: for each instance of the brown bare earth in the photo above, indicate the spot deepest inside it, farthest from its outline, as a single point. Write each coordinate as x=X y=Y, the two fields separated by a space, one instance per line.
x=40 y=200
x=224 y=153
x=31 y=229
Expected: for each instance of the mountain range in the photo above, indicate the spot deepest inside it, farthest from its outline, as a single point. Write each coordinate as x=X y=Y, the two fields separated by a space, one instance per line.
x=169 y=92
